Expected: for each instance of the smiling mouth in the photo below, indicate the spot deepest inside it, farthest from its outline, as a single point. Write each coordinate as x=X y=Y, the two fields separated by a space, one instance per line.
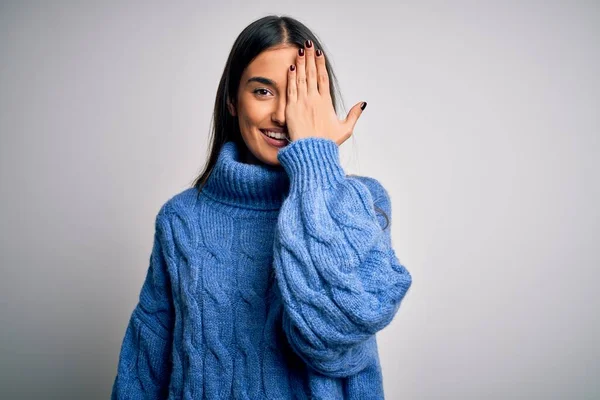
x=274 y=135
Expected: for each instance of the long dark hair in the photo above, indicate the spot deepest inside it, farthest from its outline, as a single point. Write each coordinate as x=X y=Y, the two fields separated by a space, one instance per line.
x=260 y=35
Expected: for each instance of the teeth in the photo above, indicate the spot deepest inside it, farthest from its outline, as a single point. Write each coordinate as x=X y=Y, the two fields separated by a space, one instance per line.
x=275 y=135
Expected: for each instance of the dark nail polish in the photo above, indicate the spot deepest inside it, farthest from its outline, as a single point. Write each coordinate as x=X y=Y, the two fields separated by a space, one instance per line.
x=309 y=43
x=301 y=51
x=318 y=52
x=364 y=105
x=292 y=67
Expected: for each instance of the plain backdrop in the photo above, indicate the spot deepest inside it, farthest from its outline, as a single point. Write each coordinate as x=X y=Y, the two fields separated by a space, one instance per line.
x=482 y=123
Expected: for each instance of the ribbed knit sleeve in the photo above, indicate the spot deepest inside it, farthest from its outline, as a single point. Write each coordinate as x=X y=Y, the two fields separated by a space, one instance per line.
x=339 y=277
x=144 y=365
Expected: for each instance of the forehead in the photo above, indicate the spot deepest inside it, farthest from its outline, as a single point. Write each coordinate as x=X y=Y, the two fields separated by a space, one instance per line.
x=273 y=62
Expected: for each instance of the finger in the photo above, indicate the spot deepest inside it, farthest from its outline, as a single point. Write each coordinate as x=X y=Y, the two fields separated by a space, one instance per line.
x=301 y=73
x=292 y=89
x=354 y=114
x=311 y=69
x=322 y=77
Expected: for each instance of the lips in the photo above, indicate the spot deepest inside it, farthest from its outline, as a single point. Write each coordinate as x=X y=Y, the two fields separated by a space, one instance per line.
x=274 y=142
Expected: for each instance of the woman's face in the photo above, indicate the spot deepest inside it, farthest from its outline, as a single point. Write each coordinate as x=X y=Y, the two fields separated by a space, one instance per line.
x=261 y=103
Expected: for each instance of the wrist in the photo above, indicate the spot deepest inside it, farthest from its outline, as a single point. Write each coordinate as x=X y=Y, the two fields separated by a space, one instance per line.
x=311 y=162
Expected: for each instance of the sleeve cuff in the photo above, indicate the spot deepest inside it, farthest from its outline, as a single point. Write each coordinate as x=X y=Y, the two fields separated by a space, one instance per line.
x=311 y=162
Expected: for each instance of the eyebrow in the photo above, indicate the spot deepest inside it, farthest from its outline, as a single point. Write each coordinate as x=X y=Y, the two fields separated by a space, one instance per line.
x=263 y=80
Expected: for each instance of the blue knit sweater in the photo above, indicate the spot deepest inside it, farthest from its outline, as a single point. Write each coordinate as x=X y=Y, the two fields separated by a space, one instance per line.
x=270 y=283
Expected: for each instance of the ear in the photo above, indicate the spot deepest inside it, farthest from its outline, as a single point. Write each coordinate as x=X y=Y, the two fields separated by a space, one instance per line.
x=231 y=108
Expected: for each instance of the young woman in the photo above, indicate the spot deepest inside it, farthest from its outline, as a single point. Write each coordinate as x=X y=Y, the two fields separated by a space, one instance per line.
x=270 y=277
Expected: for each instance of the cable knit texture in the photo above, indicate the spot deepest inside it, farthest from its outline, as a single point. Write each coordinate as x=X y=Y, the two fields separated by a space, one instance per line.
x=270 y=283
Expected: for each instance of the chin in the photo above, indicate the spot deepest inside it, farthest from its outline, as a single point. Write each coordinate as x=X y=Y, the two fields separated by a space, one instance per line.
x=258 y=151
x=270 y=157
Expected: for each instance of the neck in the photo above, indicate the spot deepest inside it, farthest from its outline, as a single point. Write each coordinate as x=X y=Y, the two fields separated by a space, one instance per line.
x=247 y=157
x=239 y=179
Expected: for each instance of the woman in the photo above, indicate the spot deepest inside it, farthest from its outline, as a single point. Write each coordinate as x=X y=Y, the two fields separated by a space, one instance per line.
x=270 y=277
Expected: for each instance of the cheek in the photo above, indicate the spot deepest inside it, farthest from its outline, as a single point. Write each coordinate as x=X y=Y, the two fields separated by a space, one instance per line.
x=248 y=123
x=255 y=112
x=247 y=114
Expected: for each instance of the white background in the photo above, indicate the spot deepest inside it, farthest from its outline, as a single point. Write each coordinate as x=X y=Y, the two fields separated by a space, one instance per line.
x=482 y=123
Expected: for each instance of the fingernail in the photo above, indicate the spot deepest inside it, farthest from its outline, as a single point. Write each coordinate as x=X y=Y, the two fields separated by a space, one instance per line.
x=318 y=52
x=309 y=43
x=301 y=51
x=364 y=105
x=292 y=67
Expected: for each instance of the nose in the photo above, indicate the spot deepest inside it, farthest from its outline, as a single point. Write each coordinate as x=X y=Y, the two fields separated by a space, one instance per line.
x=278 y=115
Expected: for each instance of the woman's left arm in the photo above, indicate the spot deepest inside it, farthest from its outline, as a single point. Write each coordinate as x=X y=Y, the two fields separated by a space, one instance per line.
x=339 y=277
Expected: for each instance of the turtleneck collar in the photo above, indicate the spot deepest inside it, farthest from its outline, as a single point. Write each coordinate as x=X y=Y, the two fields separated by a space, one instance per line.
x=253 y=186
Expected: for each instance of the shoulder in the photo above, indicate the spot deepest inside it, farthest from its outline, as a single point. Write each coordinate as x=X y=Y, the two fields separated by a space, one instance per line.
x=378 y=192
x=179 y=205
x=175 y=221
x=183 y=201
x=380 y=196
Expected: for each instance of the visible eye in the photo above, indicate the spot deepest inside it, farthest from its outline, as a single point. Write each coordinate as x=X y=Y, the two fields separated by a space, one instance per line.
x=262 y=90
